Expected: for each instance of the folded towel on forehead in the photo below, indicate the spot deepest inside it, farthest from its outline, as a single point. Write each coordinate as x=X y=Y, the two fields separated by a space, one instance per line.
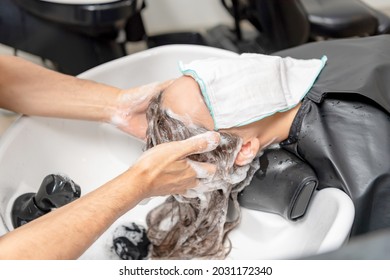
x=249 y=87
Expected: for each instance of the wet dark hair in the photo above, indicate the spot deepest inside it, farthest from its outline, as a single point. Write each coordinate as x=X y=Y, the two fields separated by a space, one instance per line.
x=163 y=128
x=187 y=228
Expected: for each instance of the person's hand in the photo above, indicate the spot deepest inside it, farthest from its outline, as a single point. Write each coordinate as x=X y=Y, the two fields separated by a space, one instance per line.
x=129 y=113
x=164 y=169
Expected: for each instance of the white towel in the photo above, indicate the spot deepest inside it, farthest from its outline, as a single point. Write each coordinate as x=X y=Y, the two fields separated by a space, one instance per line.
x=244 y=89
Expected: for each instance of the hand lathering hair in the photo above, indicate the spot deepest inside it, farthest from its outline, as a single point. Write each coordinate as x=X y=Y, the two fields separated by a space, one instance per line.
x=196 y=227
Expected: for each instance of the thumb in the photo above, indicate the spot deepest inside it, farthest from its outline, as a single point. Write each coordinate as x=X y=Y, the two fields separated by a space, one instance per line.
x=163 y=85
x=200 y=143
x=154 y=88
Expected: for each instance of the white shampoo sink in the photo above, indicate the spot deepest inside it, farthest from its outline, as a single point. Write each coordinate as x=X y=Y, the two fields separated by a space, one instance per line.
x=93 y=153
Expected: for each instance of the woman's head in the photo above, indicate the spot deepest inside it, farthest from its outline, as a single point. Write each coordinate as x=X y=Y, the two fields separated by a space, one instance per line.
x=163 y=126
x=195 y=226
x=183 y=101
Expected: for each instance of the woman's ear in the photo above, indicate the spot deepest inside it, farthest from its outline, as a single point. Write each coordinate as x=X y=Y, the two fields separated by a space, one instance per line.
x=248 y=152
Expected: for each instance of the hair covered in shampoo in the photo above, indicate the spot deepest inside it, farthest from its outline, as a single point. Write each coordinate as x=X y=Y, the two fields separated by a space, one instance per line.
x=196 y=227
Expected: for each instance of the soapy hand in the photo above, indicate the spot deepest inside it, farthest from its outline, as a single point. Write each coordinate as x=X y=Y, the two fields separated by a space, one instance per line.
x=129 y=114
x=165 y=169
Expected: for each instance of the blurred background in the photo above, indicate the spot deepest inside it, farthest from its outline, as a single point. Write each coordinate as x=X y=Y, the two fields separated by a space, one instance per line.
x=72 y=36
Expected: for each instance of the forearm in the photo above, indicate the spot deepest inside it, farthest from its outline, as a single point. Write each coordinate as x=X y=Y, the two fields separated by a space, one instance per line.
x=30 y=89
x=70 y=230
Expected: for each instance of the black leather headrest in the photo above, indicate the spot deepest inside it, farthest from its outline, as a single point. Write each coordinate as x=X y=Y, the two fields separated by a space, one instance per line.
x=283 y=185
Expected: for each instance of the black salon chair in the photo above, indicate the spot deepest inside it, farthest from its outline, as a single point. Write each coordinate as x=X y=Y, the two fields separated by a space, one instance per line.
x=281 y=24
x=75 y=37
x=344 y=18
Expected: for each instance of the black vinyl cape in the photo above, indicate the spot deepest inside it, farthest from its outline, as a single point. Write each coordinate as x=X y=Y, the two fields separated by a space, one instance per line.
x=342 y=129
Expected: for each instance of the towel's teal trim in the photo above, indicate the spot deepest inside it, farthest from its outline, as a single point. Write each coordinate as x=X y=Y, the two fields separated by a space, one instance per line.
x=203 y=89
x=324 y=59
